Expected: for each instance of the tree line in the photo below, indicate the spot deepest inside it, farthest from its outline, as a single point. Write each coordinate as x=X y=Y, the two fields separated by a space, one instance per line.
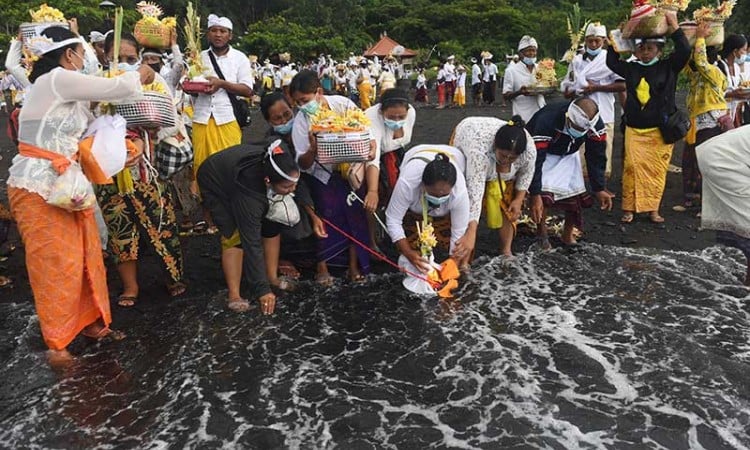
x=434 y=28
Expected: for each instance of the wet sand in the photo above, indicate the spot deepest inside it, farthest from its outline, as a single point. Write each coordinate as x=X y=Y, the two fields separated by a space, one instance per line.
x=202 y=254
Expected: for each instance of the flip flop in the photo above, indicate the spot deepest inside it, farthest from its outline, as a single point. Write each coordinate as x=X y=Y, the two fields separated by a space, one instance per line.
x=238 y=305
x=656 y=218
x=627 y=218
x=176 y=289
x=287 y=284
x=325 y=280
x=287 y=269
x=105 y=333
x=5 y=282
x=126 y=301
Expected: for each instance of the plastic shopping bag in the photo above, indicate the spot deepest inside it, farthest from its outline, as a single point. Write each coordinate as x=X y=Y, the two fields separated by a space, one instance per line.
x=72 y=190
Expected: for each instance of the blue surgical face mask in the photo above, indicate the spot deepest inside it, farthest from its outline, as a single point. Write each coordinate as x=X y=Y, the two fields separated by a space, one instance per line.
x=310 y=108
x=436 y=201
x=575 y=134
x=529 y=61
x=394 y=124
x=747 y=58
x=285 y=128
x=593 y=52
x=125 y=67
x=648 y=64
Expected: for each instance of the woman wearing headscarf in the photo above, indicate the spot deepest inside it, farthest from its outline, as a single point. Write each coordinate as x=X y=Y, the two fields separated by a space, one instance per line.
x=709 y=114
x=63 y=251
x=651 y=81
x=519 y=77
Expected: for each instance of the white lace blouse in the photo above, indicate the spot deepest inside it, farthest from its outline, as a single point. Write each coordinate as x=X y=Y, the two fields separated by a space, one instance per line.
x=475 y=137
x=55 y=116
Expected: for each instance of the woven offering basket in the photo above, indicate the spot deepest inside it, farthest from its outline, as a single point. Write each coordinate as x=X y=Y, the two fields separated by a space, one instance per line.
x=196 y=87
x=152 y=35
x=155 y=110
x=350 y=146
x=653 y=25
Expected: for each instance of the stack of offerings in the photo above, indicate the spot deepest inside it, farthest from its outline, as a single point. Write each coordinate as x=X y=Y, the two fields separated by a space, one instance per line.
x=341 y=138
x=646 y=21
x=546 y=78
x=196 y=82
x=715 y=17
x=41 y=19
x=150 y=31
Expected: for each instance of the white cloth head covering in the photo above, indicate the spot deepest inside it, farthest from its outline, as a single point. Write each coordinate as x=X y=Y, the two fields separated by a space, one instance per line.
x=580 y=119
x=216 y=21
x=526 y=42
x=96 y=36
x=473 y=59
x=451 y=57
x=596 y=29
x=39 y=45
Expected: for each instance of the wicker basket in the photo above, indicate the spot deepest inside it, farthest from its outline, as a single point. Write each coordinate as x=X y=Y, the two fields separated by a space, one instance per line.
x=32 y=29
x=335 y=148
x=653 y=25
x=716 y=38
x=155 y=110
x=152 y=35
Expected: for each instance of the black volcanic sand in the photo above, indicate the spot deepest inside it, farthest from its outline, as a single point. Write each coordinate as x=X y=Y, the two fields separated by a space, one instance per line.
x=434 y=126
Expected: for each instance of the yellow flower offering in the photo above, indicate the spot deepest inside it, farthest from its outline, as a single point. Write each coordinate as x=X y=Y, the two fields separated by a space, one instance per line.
x=47 y=14
x=150 y=31
x=329 y=121
x=719 y=13
x=546 y=77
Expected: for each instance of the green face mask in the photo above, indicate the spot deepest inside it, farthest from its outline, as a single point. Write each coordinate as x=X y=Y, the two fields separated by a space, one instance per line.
x=650 y=63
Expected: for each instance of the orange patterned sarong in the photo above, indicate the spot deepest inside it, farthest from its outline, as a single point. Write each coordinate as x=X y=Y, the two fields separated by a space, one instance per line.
x=65 y=265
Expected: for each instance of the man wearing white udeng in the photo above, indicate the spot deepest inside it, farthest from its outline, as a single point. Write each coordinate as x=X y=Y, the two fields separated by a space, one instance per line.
x=589 y=76
x=519 y=78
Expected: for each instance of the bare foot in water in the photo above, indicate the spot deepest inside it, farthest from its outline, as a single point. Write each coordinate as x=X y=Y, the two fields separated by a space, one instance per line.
x=60 y=359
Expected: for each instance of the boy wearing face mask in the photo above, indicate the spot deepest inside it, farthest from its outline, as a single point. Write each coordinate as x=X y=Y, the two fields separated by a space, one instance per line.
x=559 y=131
x=588 y=76
x=519 y=77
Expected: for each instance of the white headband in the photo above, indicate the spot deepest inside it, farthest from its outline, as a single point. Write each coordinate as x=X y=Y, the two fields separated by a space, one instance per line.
x=271 y=149
x=580 y=119
x=96 y=36
x=526 y=42
x=40 y=45
x=216 y=21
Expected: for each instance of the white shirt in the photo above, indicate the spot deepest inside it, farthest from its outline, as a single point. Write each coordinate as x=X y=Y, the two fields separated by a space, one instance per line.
x=383 y=135
x=421 y=81
x=55 y=116
x=408 y=192
x=475 y=137
x=489 y=71
x=450 y=72
x=301 y=139
x=593 y=72
x=236 y=69
x=516 y=76
x=476 y=74
x=461 y=82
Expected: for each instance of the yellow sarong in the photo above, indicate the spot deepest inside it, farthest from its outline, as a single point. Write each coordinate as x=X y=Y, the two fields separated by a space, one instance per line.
x=459 y=97
x=210 y=138
x=365 y=90
x=645 y=169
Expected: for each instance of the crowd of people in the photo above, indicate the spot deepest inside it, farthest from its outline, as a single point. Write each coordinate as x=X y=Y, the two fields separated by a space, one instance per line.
x=278 y=209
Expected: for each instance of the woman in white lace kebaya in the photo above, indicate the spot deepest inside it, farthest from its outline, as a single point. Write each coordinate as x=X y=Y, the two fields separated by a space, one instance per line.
x=63 y=251
x=495 y=149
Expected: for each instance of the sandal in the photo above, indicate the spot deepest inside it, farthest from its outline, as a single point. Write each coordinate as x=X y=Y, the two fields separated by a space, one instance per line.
x=5 y=282
x=287 y=269
x=104 y=333
x=324 y=279
x=238 y=305
x=627 y=217
x=126 y=301
x=656 y=218
x=176 y=289
x=356 y=278
x=285 y=283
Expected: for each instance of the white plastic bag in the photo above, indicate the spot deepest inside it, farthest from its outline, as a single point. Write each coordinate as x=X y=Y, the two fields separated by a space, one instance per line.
x=72 y=190
x=283 y=209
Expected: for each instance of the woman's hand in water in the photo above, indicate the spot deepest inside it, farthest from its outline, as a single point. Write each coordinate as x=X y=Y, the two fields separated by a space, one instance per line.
x=267 y=303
